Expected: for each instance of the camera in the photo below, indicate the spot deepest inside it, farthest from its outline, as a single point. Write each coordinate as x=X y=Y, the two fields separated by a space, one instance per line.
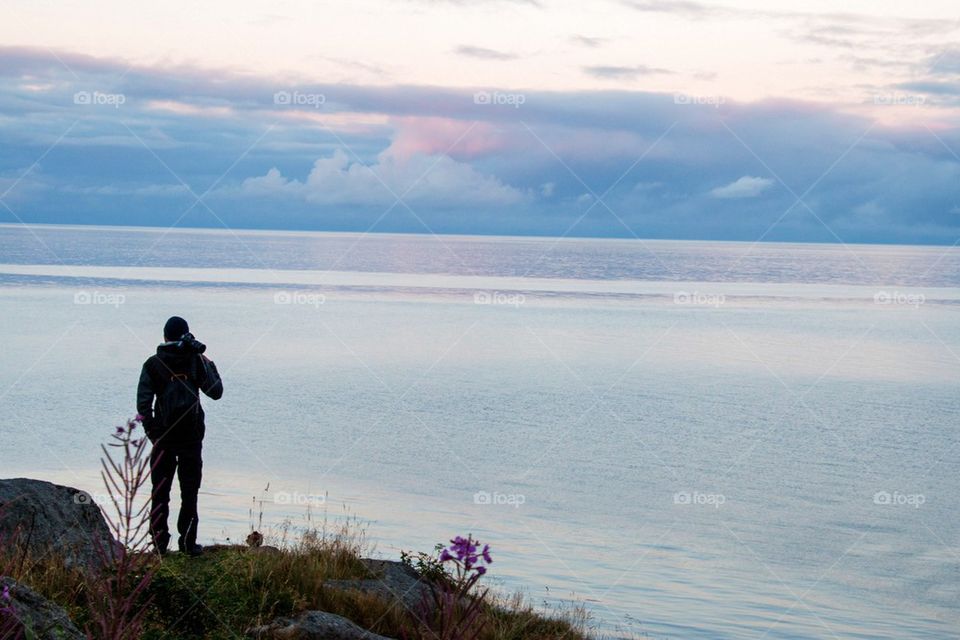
x=187 y=341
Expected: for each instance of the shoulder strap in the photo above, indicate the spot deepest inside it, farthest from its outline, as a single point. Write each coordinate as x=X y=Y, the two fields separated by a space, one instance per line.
x=161 y=374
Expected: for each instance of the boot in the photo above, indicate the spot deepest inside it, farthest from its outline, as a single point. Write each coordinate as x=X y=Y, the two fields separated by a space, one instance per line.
x=160 y=542
x=191 y=549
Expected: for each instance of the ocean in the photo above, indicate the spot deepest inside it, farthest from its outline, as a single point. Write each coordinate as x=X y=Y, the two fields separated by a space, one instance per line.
x=694 y=439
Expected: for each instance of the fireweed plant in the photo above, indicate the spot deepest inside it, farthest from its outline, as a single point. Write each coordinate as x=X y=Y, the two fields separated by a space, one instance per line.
x=451 y=609
x=10 y=627
x=117 y=606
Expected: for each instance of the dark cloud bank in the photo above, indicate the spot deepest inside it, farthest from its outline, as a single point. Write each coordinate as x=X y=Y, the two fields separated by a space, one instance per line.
x=264 y=153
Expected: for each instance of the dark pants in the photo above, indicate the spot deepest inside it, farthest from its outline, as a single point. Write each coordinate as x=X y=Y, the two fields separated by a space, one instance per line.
x=185 y=462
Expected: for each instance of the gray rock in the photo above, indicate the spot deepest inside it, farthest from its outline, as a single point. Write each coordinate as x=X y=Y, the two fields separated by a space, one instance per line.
x=242 y=548
x=40 y=618
x=49 y=518
x=313 y=625
x=266 y=550
x=392 y=581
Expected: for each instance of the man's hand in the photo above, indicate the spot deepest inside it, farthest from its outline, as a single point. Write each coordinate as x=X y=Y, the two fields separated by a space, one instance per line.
x=149 y=423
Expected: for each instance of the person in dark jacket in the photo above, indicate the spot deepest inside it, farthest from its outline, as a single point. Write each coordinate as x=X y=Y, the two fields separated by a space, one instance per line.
x=168 y=399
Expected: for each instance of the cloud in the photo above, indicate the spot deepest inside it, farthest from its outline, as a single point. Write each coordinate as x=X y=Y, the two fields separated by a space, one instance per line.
x=184 y=108
x=434 y=182
x=679 y=7
x=353 y=65
x=946 y=62
x=159 y=190
x=887 y=65
x=484 y=53
x=589 y=41
x=895 y=39
x=416 y=135
x=869 y=209
x=624 y=73
x=467 y=3
x=745 y=187
x=474 y=168
x=836 y=24
x=932 y=87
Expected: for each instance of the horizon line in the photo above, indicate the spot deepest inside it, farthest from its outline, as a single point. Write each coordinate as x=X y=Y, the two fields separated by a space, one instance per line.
x=531 y=236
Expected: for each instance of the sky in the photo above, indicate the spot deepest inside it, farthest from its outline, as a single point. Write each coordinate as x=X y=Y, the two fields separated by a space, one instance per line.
x=735 y=120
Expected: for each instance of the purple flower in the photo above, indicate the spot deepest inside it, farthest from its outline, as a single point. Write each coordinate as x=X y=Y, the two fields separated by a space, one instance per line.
x=464 y=548
x=120 y=430
x=466 y=553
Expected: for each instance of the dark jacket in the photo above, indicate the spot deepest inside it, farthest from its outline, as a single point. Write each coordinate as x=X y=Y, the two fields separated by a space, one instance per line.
x=173 y=359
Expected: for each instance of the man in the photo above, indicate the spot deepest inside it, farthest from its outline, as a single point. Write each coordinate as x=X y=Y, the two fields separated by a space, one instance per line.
x=168 y=398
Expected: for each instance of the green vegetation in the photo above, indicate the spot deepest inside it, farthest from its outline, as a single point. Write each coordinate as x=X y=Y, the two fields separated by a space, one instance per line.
x=232 y=588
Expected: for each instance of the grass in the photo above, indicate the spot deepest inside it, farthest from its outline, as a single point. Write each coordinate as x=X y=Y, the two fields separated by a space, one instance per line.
x=230 y=588
x=515 y=618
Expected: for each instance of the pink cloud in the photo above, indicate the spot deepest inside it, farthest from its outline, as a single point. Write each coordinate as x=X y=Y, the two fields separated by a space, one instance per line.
x=458 y=139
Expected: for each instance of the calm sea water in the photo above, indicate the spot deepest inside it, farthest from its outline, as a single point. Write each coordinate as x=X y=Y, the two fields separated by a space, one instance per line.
x=698 y=440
